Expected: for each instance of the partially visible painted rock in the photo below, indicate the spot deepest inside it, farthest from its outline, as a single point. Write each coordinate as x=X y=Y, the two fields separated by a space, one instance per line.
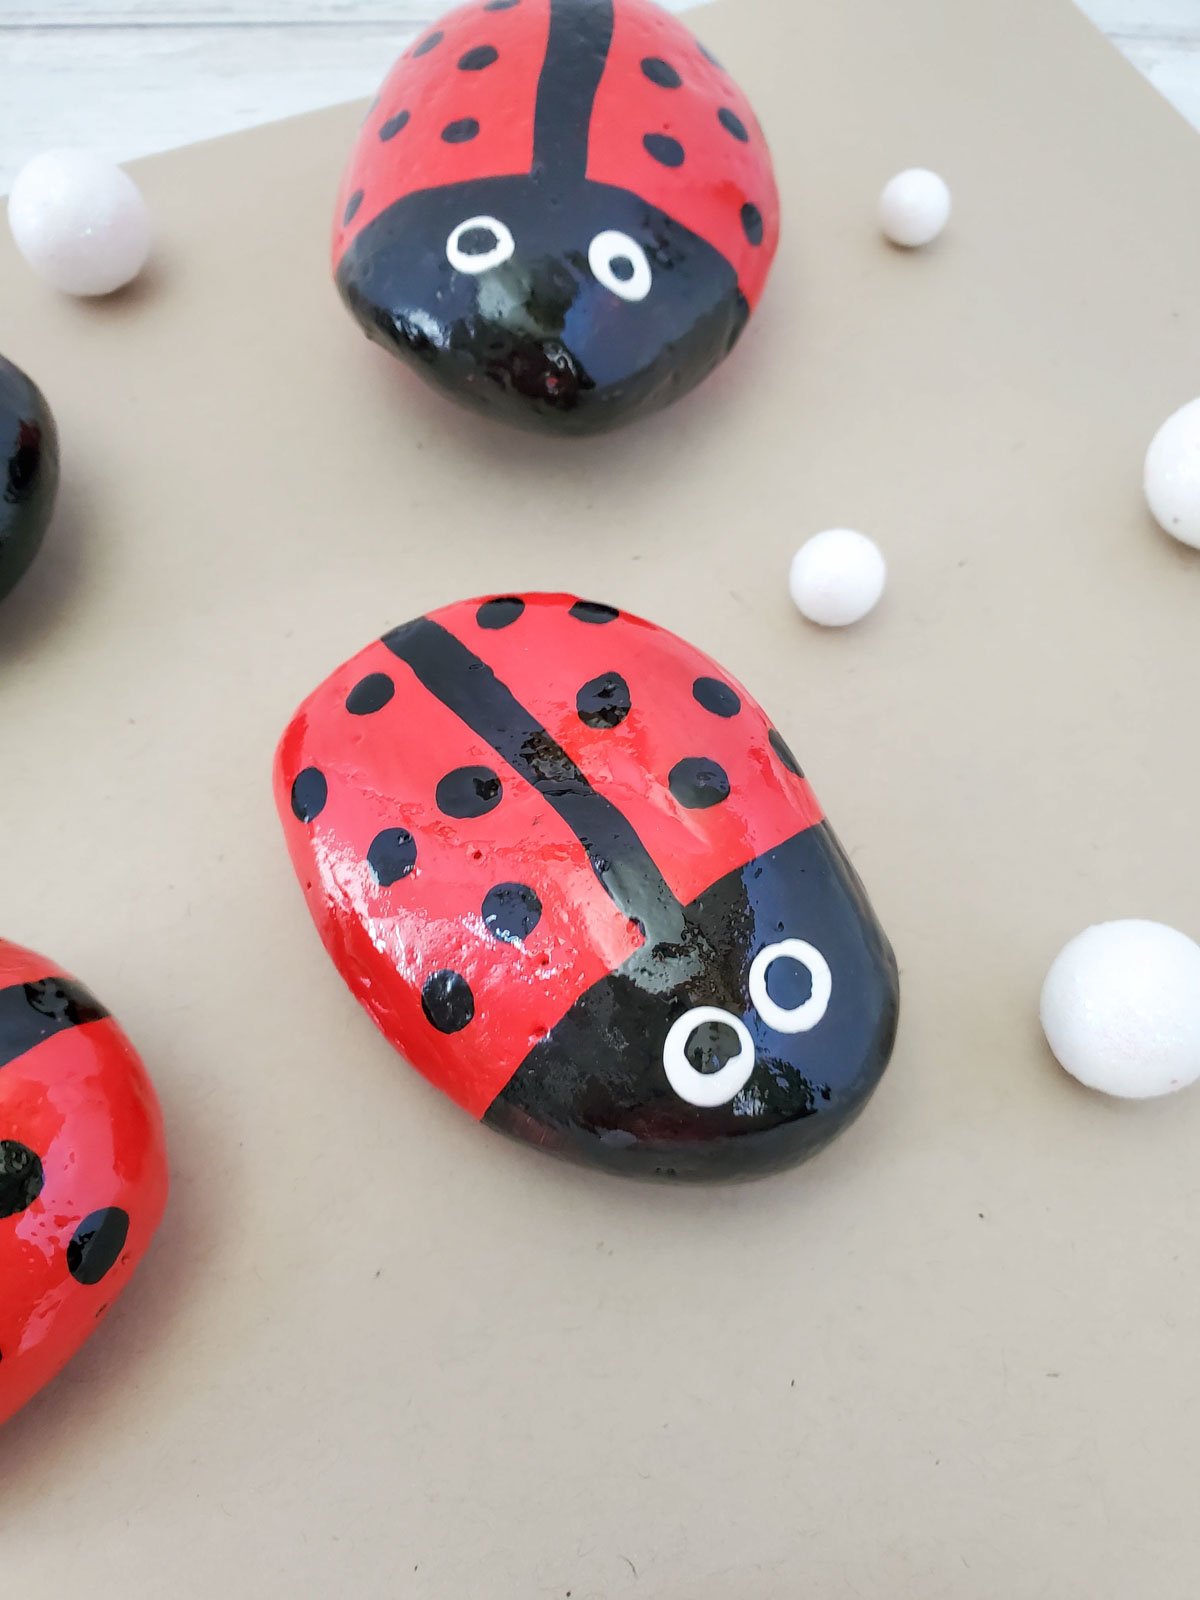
x=29 y=465
x=83 y=1169
x=559 y=211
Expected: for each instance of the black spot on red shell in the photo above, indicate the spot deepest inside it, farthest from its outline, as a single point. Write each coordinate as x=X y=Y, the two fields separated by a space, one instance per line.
x=309 y=794
x=392 y=856
x=698 y=783
x=733 y=124
x=664 y=149
x=752 y=223
x=511 y=911
x=96 y=1244
x=604 y=702
x=370 y=694
x=593 y=611
x=469 y=792
x=460 y=132
x=395 y=125
x=352 y=205
x=447 y=1001
x=716 y=697
x=429 y=42
x=483 y=55
x=501 y=5
x=661 y=72
x=708 y=56
x=21 y=1177
x=782 y=750
x=499 y=613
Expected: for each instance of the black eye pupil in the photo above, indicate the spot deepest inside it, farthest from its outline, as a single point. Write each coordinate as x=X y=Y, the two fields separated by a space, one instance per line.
x=789 y=983
x=622 y=268
x=478 y=241
x=710 y=1046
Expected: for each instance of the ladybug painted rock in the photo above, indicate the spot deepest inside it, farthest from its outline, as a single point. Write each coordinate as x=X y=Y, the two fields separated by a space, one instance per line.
x=559 y=211
x=83 y=1170
x=29 y=448
x=577 y=877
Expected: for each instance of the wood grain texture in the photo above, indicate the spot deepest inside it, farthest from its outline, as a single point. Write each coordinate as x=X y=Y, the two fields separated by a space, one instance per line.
x=145 y=75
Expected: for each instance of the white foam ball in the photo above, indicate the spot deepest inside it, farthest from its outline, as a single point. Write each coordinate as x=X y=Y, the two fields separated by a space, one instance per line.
x=79 y=221
x=1173 y=475
x=837 y=576
x=914 y=207
x=1121 y=1009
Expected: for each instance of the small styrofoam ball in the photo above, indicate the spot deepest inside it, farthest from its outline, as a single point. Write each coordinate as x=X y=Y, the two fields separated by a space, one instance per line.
x=914 y=207
x=1121 y=1009
x=837 y=576
x=1173 y=475
x=79 y=221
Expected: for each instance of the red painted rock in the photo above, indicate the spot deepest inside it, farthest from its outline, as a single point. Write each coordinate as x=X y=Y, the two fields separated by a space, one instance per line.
x=577 y=877
x=559 y=211
x=83 y=1169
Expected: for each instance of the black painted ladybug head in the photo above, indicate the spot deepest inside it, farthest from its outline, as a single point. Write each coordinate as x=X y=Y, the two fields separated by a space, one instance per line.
x=744 y=1039
x=570 y=309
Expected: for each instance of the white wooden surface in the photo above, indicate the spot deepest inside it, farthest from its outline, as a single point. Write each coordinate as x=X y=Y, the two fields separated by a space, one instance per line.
x=134 y=76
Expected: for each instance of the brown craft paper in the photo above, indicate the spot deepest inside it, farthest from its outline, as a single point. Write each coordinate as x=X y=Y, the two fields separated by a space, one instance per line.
x=378 y=1351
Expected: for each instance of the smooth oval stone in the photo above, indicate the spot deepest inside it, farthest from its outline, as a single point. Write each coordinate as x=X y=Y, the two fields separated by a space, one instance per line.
x=631 y=939
x=83 y=1168
x=561 y=212
x=29 y=450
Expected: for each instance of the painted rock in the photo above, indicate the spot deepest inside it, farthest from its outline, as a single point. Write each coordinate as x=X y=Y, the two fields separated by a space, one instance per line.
x=559 y=211
x=29 y=446
x=578 y=879
x=83 y=1170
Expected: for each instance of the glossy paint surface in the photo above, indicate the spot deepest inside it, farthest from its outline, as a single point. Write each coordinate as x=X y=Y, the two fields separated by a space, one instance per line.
x=551 y=848
x=560 y=211
x=28 y=473
x=83 y=1174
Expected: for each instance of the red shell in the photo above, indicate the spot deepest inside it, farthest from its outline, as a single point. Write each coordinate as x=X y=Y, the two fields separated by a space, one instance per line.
x=83 y=1170
x=427 y=90
x=382 y=771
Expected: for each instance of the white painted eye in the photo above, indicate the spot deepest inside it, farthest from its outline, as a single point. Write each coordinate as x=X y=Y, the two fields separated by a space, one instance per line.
x=793 y=1019
x=479 y=244
x=707 y=1089
x=620 y=264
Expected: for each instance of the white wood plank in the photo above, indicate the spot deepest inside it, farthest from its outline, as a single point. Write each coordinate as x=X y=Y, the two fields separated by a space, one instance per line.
x=132 y=92
x=1173 y=69
x=1163 y=19
x=215 y=13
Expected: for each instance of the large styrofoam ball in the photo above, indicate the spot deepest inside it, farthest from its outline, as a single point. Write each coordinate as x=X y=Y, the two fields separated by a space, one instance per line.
x=837 y=576
x=79 y=221
x=1121 y=1009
